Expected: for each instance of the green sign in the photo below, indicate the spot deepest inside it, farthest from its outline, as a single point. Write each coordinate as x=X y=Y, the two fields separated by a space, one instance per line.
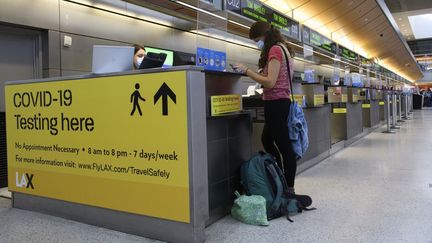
x=347 y=54
x=255 y=10
x=318 y=40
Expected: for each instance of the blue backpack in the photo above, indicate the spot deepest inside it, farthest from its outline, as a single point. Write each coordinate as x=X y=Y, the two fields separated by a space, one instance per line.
x=262 y=176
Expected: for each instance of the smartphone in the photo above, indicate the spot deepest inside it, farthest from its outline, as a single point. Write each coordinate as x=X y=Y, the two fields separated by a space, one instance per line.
x=234 y=68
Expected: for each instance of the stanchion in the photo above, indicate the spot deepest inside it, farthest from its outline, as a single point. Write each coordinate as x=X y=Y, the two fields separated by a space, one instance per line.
x=399 y=97
x=394 y=112
x=410 y=107
x=406 y=115
x=387 y=112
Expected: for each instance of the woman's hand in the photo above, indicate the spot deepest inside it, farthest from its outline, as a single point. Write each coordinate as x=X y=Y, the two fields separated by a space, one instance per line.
x=269 y=80
x=240 y=68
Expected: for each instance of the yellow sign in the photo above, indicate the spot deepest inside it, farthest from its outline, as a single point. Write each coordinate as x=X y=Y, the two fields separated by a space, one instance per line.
x=365 y=105
x=381 y=103
x=344 y=98
x=319 y=99
x=299 y=99
x=222 y=104
x=355 y=98
x=116 y=142
x=339 y=110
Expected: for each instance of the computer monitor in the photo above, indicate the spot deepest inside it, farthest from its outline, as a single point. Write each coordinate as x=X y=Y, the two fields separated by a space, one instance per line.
x=153 y=60
x=183 y=58
x=169 y=55
x=109 y=59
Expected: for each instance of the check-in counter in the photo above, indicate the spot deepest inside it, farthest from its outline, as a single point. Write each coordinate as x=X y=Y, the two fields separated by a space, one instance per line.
x=154 y=152
x=370 y=107
x=398 y=103
x=317 y=116
x=381 y=103
x=346 y=117
x=229 y=142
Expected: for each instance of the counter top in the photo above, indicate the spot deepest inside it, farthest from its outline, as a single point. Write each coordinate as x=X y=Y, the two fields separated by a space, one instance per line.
x=223 y=73
x=94 y=75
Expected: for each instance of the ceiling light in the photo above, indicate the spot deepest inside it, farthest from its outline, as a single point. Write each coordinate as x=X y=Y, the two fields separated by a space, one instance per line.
x=421 y=25
x=199 y=9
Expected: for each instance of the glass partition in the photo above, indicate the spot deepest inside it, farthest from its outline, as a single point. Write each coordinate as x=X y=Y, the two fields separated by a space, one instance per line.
x=211 y=22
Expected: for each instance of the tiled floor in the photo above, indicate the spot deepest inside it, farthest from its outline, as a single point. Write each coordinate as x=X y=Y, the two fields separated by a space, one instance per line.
x=378 y=190
x=5 y=193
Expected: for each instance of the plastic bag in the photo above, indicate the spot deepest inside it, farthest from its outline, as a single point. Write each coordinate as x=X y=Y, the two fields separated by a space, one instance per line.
x=250 y=210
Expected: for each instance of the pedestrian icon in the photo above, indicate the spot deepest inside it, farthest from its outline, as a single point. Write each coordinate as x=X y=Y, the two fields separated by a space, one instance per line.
x=135 y=97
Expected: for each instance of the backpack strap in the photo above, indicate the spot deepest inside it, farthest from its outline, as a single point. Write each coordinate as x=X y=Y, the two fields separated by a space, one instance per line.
x=278 y=197
x=308 y=209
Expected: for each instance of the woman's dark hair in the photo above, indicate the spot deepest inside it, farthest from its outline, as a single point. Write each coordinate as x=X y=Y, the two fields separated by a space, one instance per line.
x=137 y=48
x=272 y=36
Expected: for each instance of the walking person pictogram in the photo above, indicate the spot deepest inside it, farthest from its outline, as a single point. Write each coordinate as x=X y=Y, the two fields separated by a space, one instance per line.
x=135 y=97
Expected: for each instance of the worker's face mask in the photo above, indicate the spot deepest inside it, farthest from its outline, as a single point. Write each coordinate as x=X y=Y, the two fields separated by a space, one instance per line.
x=260 y=44
x=139 y=61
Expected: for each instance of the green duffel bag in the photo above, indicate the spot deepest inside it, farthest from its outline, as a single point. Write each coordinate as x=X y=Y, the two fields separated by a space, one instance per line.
x=250 y=210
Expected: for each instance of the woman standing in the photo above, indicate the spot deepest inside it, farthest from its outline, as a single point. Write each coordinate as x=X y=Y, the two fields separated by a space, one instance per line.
x=275 y=80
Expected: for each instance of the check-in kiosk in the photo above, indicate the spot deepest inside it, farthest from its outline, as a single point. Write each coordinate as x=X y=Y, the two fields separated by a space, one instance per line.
x=353 y=94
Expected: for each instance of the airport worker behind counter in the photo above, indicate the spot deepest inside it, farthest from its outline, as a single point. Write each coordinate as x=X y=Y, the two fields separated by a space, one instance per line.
x=139 y=55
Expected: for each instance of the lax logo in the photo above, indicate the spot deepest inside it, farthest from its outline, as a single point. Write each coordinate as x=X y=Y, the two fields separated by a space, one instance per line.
x=24 y=181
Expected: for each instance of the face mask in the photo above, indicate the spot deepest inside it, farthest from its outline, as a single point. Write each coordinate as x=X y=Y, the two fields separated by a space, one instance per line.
x=260 y=44
x=139 y=61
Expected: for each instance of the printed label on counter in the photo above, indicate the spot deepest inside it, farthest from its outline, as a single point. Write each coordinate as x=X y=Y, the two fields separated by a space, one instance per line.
x=222 y=104
x=339 y=110
x=344 y=98
x=319 y=99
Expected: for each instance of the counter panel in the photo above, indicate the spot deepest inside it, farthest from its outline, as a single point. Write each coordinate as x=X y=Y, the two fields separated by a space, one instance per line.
x=354 y=119
x=318 y=120
x=229 y=146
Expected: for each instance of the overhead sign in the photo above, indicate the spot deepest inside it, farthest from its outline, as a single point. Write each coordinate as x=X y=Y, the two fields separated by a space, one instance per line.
x=233 y=5
x=256 y=10
x=318 y=40
x=222 y=104
x=348 y=54
x=117 y=142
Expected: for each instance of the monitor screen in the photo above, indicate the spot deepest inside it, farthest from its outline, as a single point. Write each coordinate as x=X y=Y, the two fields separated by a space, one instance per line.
x=170 y=55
